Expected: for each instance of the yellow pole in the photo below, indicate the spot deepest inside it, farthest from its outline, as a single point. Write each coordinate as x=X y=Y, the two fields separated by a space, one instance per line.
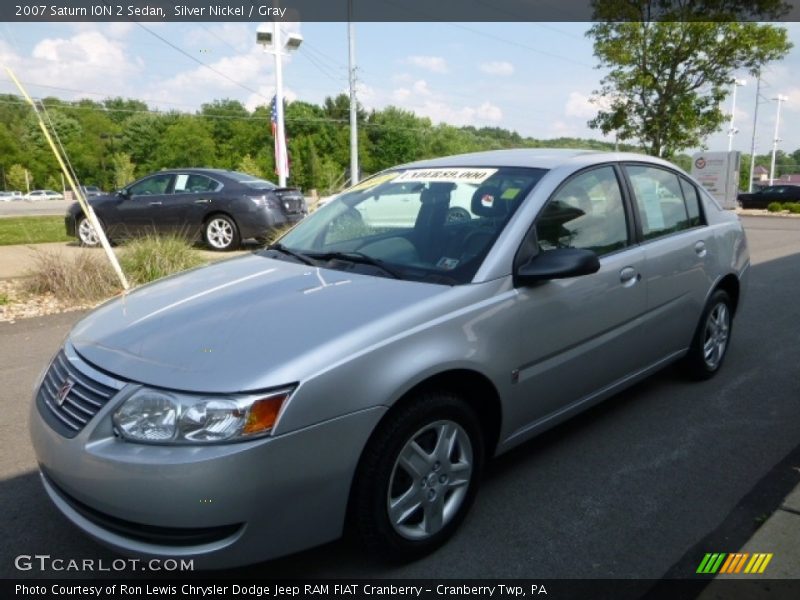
x=85 y=206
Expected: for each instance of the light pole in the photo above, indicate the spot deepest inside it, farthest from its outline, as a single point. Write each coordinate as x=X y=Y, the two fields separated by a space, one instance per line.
x=732 y=130
x=776 y=139
x=351 y=38
x=753 y=140
x=269 y=36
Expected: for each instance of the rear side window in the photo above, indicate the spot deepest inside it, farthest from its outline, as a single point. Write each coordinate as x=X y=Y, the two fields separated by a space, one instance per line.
x=692 y=200
x=663 y=210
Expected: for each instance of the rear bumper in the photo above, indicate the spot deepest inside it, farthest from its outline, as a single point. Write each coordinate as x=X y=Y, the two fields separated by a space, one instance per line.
x=257 y=224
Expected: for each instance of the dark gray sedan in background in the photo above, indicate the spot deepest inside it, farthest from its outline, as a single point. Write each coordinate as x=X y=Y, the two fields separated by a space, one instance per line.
x=220 y=207
x=360 y=371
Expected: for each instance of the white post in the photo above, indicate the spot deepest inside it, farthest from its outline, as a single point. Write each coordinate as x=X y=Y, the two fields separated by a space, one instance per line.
x=353 y=108
x=276 y=40
x=27 y=183
x=732 y=128
x=753 y=141
x=776 y=139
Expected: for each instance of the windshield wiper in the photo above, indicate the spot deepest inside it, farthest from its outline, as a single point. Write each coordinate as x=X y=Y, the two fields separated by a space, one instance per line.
x=284 y=250
x=361 y=258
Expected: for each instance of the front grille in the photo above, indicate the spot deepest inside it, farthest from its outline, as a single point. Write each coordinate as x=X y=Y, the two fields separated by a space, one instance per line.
x=72 y=393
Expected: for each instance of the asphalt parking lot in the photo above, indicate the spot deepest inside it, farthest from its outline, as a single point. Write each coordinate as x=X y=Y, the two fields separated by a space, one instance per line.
x=639 y=487
x=23 y=208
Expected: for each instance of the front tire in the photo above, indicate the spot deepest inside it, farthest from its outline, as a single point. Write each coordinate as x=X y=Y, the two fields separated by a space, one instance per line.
x=87 y=235
x=418 y=477
x=221 y=233
x=712 y=338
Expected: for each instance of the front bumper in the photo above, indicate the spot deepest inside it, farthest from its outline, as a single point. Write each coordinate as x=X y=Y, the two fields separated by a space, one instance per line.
x=222 y=505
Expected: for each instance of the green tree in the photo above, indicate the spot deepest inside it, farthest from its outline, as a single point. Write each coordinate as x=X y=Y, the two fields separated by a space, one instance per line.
x=15 y=177
x=250 y=166
x=187 y=143
x=667 y=77
x=124 y=170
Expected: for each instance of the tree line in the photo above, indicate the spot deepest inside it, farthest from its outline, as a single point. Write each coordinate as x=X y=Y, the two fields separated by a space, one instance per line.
x=113 y=142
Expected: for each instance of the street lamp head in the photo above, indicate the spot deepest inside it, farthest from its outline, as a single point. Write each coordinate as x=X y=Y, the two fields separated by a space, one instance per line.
x=293 y=41
x=264 y=34
x=740 y=82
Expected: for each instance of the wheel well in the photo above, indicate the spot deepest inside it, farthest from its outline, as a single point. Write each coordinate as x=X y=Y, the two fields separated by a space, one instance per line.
x=730 y=283
x=476 y=390
x=217 y=213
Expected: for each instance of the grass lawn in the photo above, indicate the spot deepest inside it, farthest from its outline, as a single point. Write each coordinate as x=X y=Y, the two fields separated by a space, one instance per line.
x=32 y=230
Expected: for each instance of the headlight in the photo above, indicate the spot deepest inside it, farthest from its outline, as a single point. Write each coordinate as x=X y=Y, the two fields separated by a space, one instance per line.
x=158 y=417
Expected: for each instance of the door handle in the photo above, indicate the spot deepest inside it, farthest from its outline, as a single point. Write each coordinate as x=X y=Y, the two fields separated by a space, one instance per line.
x=202 y=201
x=629 y=276
x=156 y=203
x=700 y=249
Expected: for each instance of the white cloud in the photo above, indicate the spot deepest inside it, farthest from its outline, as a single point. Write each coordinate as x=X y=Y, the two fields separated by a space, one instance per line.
x=581 y=106
x=498 y=67
x=435 y=64
x=419 y=98
x=88 y=61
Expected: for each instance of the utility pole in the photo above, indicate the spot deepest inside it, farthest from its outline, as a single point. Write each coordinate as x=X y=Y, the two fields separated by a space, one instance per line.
x=753 y=140
x=776 y=139
x=351 y=34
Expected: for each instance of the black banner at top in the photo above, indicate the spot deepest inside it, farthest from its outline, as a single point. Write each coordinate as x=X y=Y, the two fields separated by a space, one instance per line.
x=398 y=10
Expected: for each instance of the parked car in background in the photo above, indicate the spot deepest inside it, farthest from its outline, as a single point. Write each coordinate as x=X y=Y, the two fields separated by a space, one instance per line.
x=91 y=190
x=773 y=193
x=220 y=207
x=9 y=196
x=36 y=195
x=362 y=370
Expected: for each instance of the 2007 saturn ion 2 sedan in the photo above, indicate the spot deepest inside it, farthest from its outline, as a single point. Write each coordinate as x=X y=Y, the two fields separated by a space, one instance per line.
x=362 y=370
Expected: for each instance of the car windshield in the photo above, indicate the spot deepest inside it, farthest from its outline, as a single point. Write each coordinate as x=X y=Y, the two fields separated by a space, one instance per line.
x=434 y=225
x=250 y=181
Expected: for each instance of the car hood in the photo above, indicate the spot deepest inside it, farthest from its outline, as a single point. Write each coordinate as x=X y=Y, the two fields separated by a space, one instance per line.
x=245 y=324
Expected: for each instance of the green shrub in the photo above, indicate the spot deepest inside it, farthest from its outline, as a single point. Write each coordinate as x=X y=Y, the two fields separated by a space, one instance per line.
x=774 y=207
x=4 y=299
x=153 y=257
x=84 y=277
x=792 y=207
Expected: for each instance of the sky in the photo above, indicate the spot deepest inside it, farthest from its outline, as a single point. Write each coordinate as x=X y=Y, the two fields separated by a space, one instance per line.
x=533 y=78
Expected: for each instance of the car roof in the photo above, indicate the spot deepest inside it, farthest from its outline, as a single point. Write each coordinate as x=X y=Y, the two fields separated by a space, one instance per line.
x=542 y=158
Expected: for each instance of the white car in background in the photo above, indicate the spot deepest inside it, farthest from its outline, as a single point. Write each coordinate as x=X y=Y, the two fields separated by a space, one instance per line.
x=9 y=196
x=44 y=195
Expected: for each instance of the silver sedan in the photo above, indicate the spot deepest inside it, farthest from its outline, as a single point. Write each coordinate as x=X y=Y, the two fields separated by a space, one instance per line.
x=359 y=372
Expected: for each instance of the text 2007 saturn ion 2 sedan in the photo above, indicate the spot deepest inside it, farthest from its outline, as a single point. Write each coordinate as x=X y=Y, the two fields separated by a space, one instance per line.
x=363 y=369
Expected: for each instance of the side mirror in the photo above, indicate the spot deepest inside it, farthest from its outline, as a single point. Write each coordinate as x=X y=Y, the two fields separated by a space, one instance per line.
x=559 y=263
x=124 y=193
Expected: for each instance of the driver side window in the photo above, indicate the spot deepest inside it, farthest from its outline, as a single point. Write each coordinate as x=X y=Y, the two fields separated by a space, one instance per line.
x=155 y=185
x=587 y=213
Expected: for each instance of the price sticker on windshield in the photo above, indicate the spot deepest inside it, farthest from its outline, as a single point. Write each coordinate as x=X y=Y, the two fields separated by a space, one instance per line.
x=447 y=175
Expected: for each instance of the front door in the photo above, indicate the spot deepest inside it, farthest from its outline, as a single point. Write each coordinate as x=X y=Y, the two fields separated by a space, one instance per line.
x=578 y=336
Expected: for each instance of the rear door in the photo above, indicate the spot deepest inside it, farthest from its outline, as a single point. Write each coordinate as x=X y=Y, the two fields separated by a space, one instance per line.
x=184 y=211
x=677 y=246
x=579 y=335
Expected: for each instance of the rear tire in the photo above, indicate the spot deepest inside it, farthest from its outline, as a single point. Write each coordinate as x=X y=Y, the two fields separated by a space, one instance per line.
x=418 y=477
x=221 y=233
x=712 y=338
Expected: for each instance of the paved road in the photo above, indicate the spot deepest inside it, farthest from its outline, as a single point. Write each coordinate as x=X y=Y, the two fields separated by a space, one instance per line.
x=636 y=488
x=22 y=208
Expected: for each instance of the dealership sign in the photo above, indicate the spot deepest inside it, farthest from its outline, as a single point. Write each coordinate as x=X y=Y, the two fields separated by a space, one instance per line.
x=719 y=174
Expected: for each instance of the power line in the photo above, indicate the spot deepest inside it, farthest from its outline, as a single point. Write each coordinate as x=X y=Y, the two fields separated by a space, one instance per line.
x=201 y=63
